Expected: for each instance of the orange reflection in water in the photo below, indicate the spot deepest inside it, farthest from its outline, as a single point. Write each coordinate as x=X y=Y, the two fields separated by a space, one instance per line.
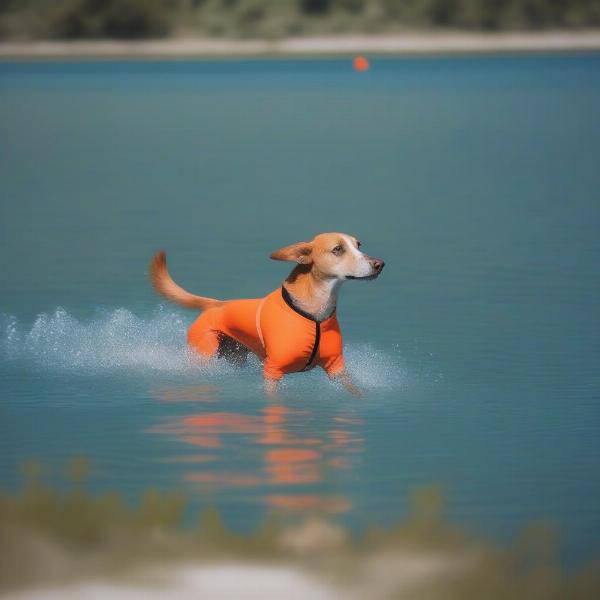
x=219 y=422
x=260 y=451
x=190 y=459
x=204 y=441
x=291 y=455
x=309 y=503
x=197 y=393
x=224 y=479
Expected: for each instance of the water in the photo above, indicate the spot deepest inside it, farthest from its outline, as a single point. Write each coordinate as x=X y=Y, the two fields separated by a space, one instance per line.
x=476 y=179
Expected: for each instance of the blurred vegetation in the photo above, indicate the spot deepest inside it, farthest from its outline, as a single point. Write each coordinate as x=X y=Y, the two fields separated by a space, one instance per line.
x=51 y=537
x=131 y=19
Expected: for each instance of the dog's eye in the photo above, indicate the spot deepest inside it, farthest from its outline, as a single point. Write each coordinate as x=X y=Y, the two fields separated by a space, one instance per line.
x=338 y=250
x=358 y=244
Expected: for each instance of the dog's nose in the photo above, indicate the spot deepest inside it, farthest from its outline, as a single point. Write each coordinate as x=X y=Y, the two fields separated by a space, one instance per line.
x=378 y=265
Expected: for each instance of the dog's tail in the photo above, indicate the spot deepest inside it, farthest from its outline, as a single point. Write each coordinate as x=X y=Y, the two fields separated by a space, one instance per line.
x=165 y=286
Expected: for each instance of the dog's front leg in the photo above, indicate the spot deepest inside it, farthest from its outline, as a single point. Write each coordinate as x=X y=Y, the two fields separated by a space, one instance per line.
x=272 y=375
x=271 y=387
x=346 y=380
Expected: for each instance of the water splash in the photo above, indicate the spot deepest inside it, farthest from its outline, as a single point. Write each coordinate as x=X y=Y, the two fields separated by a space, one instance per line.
x=118 y=340
x=374 y=369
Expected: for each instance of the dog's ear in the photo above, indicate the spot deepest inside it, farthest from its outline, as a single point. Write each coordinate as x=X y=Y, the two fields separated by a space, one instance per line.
x=300 y=253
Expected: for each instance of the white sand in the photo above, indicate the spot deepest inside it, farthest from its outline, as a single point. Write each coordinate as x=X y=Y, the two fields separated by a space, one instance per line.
x=209 y=582
x=399 y=44
x=399 y=574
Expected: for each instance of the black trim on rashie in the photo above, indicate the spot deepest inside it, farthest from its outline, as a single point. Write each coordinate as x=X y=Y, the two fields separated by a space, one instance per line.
x=288 y=300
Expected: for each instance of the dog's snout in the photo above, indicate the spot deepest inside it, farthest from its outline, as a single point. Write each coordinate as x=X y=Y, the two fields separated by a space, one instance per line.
x=377 y=264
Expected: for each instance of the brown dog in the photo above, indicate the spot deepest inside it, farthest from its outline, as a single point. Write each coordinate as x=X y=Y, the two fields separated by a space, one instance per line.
x=293 y=328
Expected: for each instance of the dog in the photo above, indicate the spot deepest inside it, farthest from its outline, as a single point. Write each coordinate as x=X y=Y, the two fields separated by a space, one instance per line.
x=292 y=329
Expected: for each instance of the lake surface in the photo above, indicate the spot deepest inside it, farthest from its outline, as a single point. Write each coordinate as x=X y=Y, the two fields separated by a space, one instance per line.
x=476 y=179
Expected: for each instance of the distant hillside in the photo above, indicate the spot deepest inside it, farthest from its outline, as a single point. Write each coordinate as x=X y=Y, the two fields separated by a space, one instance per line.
x=134 y=19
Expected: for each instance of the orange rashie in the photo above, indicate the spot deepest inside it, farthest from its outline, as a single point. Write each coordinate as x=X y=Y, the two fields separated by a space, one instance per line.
x=360 y=63
x=288 y=339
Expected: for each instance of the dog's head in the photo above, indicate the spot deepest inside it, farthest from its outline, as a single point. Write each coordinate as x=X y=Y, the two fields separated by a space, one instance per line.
x=332 y=255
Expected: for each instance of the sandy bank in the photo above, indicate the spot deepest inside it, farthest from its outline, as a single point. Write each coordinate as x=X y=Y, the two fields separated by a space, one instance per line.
x=412 y=43
x=219 y=582
x=400 y=575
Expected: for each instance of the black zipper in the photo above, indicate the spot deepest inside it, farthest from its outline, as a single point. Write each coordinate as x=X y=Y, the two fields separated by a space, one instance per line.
x=316 y=346
x=288 y=300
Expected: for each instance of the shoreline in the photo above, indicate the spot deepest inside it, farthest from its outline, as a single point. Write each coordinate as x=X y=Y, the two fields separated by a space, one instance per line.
x=405 y=44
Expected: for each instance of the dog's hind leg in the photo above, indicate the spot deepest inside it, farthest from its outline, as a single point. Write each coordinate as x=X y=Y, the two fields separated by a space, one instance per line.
x=206 y=338
x=203 y=336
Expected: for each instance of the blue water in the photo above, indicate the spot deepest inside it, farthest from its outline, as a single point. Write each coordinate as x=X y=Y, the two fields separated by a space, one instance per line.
x=476 y=179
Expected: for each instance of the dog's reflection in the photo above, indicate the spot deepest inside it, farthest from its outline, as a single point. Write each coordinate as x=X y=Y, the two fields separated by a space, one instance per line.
x=281 y=456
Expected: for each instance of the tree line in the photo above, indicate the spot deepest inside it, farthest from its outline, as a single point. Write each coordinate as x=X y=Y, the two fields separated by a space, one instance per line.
x=73 y=19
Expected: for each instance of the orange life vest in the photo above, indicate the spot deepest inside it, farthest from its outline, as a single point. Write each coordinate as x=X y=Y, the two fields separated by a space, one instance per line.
x=287 y=338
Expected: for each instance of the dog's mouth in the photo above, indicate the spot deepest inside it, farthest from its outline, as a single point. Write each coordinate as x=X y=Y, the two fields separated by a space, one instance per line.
x=365 y=278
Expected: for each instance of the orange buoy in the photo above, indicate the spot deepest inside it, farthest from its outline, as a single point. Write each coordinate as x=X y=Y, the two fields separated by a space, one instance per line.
x=360 y=63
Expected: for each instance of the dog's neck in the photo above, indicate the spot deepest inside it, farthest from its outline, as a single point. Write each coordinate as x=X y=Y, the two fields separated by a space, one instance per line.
x=312 y=292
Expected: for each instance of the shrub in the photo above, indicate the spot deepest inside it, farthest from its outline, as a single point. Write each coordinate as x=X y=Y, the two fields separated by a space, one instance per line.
x=112 y=19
